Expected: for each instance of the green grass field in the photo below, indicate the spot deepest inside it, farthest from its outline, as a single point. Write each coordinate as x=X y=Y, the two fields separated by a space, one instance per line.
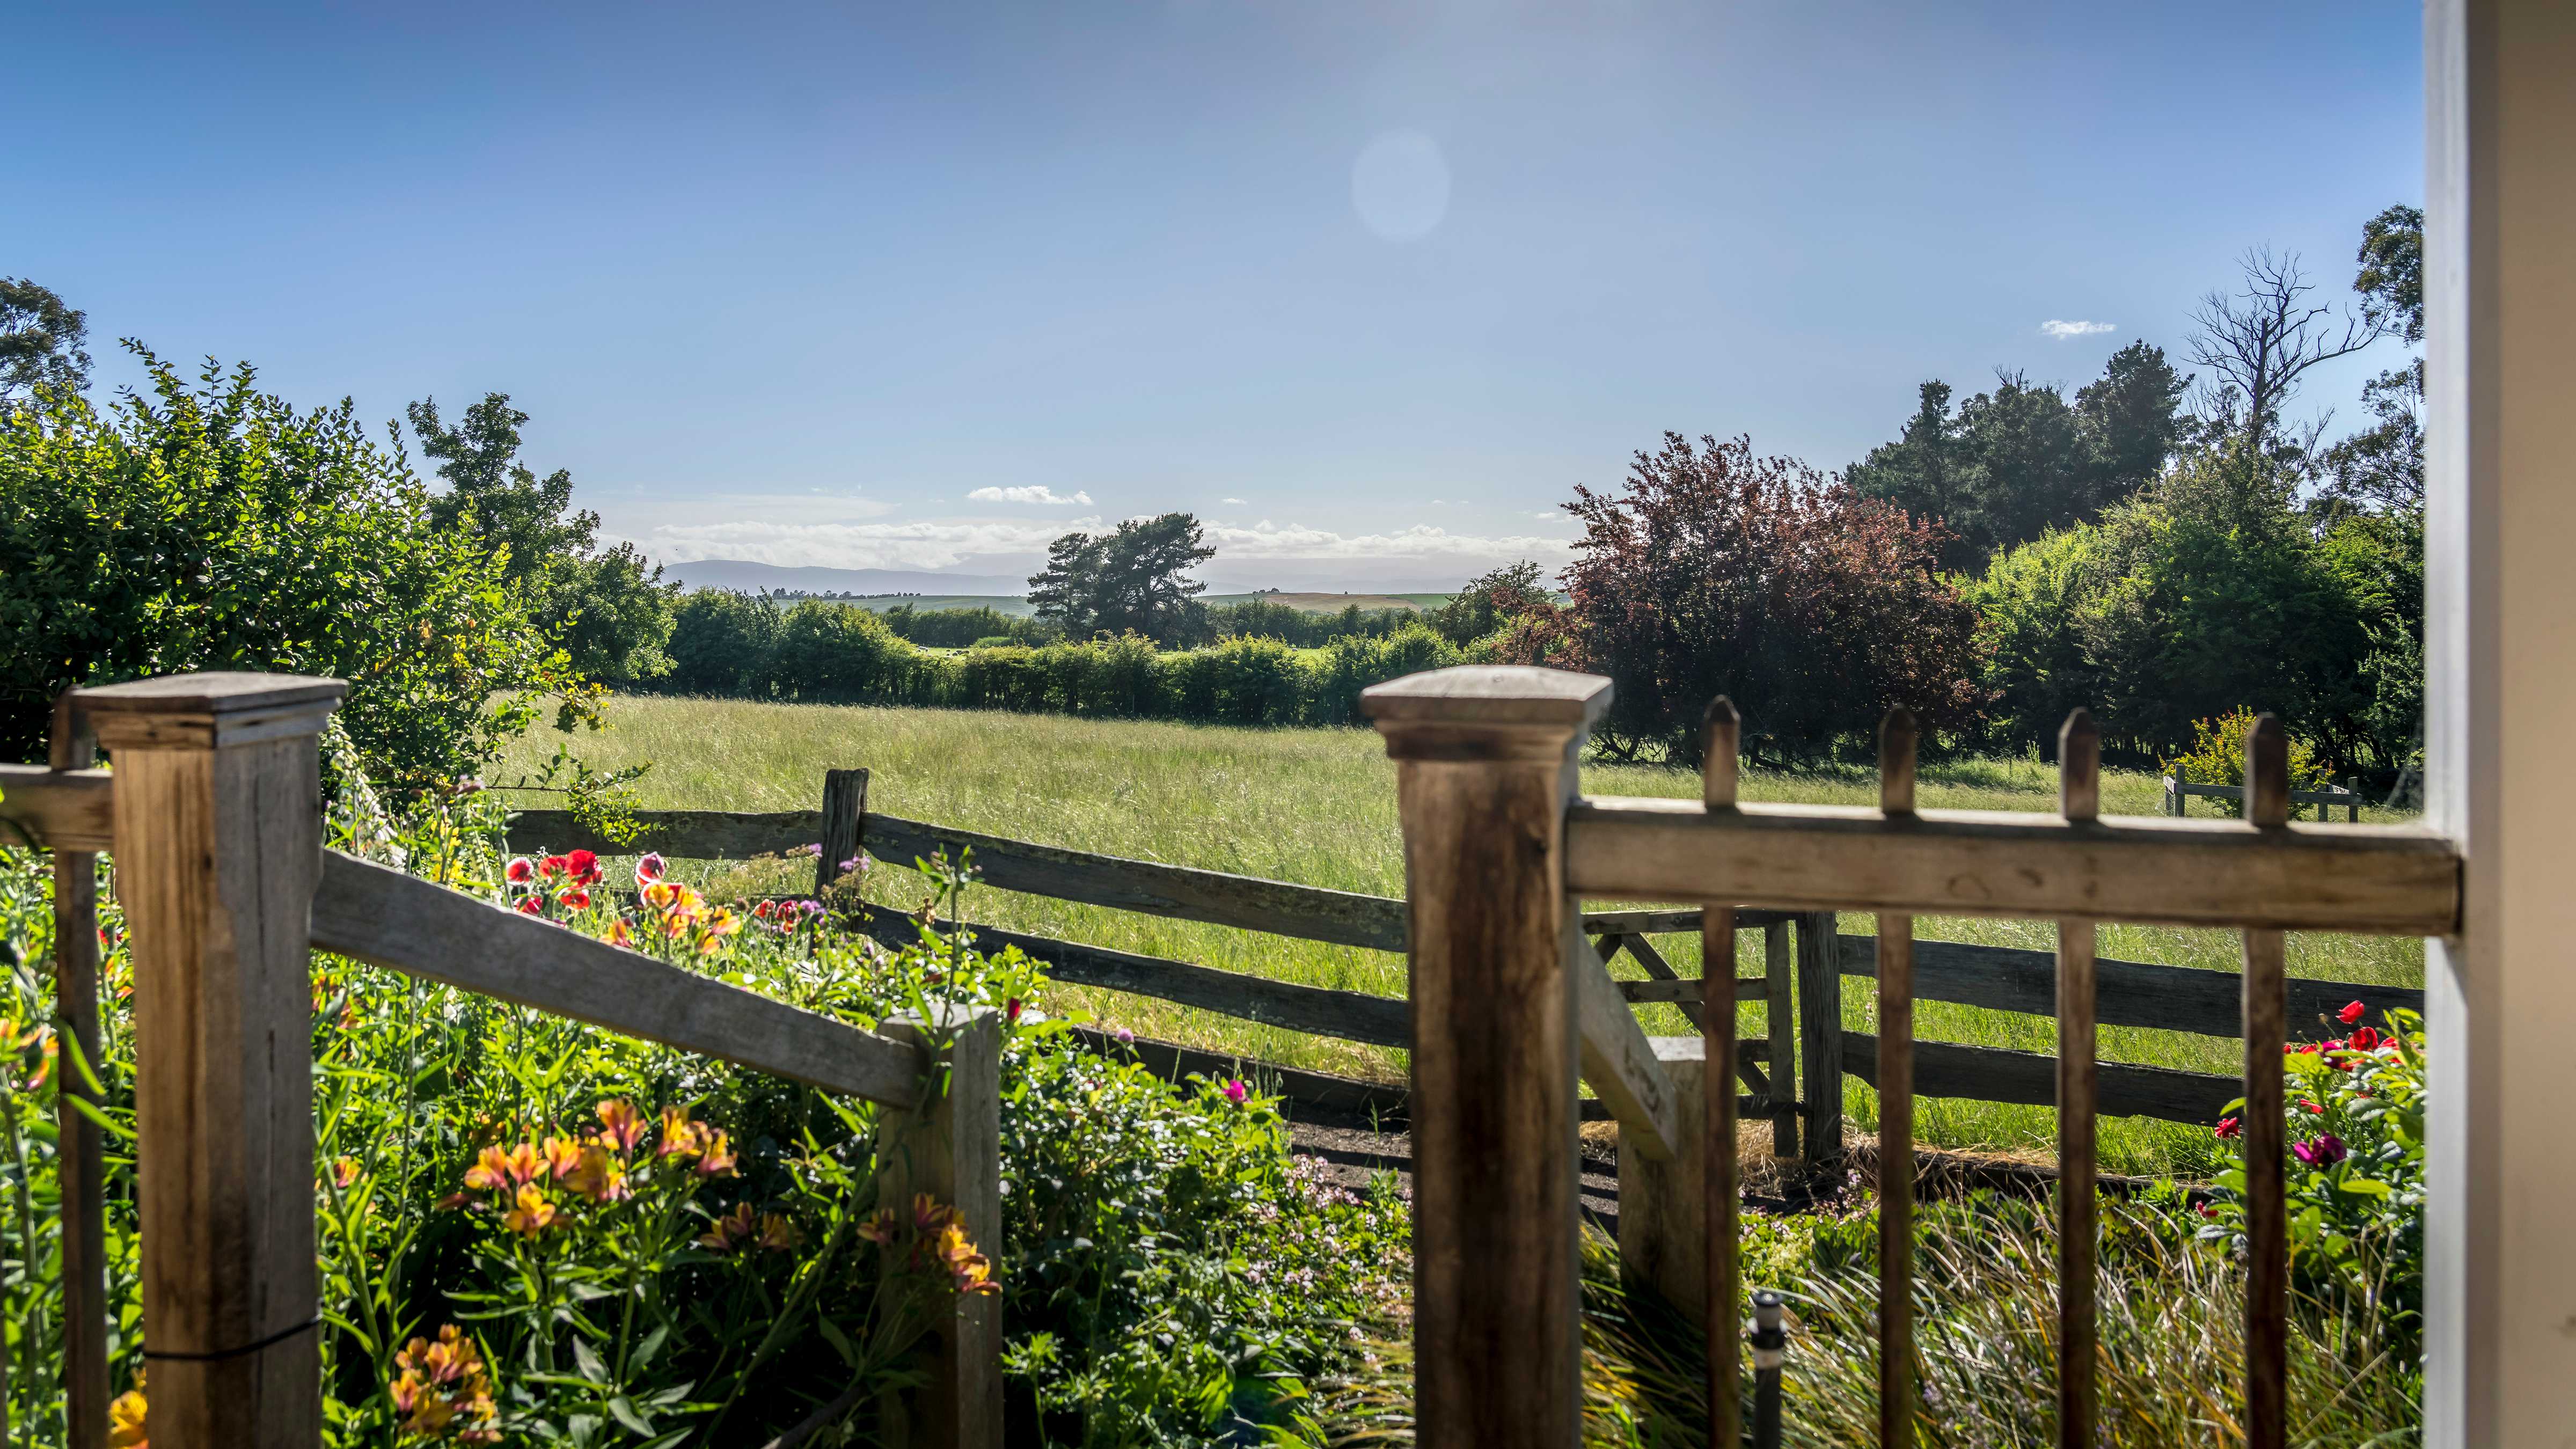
x=1317 y=806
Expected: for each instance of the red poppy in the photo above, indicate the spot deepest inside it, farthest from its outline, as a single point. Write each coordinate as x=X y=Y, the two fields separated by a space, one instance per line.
x=2229 y=1127
x=761 y=909
x=552 y=866
x=575 y=899
x=2365 y=1038
x=1012 y=1010
x=583 y=865
x=530 y=905
x=2307 y=1106
x=521 y=870
x=2352 y=1013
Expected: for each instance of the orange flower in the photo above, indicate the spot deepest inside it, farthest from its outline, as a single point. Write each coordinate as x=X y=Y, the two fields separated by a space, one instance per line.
x=734 y=1227
x=532 y=1214
x=621 y=1126
x=777 y=1234
x=527 y=1164
x=562 y=1156
x=968 y=1271
x=881 y=1228
x=491 y=1170
x=619 y=934
x=715 y=1158
x=125 y=1428
x=600 y=1177
x=344 y=1173
x=679 y=1134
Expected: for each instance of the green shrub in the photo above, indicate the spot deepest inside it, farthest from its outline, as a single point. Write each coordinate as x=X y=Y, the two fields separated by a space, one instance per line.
x=833 y=653
x=721 y=644
x=216 y=527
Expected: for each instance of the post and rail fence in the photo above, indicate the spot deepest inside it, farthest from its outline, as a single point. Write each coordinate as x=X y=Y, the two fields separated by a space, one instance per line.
x=1510 y=1006
x=2179 y=788
x=214 y=814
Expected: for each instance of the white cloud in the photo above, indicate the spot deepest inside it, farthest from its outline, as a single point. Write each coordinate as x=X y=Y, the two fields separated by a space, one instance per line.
x=1268 y=540
x=855 y=545
x=1237 y=502
x=938 y=545
x=1037 y=493
x=2064 y=330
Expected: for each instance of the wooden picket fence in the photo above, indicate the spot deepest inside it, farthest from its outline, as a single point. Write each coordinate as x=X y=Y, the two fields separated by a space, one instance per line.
x=1510 y=1001
x=214 y=813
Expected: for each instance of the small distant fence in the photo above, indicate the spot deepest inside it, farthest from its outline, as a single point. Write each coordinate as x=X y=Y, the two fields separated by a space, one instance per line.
x=2179 y=789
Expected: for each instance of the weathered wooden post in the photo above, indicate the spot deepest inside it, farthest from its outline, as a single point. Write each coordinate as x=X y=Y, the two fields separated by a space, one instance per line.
x=845 y=814
x=1664 y=1232
x=218 y=850
x=83 y=1173
x=1820 y=1035
x=1485 y=765
x=1780 y=1028
x=951 y=1149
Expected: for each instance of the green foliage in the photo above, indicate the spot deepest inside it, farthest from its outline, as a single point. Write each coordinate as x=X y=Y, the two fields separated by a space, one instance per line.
x=1490 y=601
x=2206 y=594
x=2355 y=1108
x=2012 y=464
x=1172 y=1271
x=1130 y=579
x=960 y=628
x=2217 y=757
x=610 y=610
x=40 y=342
x=825 y=652
x=216 y=527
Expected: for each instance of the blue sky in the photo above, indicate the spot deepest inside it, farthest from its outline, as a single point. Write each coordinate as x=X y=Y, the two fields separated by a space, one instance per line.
x=1368 y=287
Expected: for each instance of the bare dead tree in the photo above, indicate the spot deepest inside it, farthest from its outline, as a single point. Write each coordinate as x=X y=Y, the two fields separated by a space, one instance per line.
x=2257 y=342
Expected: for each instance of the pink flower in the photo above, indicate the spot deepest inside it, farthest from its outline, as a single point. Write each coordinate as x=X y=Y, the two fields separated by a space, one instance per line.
x=1125 y=1036
x=521 y=870
x=2324 y=1151
x=1234 y=1091
x=649 y=870
x=2229 y=1127
x=2351 y=1014
x=530 y=905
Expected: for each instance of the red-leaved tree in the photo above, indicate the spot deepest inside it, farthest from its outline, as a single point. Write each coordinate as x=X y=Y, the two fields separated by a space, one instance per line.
x=1712 y=571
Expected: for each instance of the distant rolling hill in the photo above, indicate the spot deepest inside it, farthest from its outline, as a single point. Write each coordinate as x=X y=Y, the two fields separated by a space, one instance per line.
x=747 y=576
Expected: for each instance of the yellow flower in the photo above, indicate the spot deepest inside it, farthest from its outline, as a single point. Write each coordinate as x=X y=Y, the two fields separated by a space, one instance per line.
x=532 y=1213
x=778 y=1234
x=881 y=1228
x=527 y=1164
x=562 y=1156
x=679 y=1134
x=600 y=1177
x=618 y=933
x=344 y=1172
x=621 y=1126
x=125 y=1428
x=715 y=1159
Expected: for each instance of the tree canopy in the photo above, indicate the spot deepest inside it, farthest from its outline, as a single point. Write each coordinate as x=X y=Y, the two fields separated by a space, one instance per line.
x=40 y=341
x=1132 y=579
x=2010 y=464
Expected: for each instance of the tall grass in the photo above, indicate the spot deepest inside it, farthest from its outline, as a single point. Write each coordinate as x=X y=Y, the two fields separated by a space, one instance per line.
x=1317 y=806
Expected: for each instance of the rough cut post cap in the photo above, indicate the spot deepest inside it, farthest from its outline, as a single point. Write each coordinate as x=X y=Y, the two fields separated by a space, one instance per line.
x=1489 y=694
x=209 y=710
x=212 y=692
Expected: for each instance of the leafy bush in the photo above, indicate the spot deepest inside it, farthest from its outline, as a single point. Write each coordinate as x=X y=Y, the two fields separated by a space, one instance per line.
x=1715 y=572
x=2217 y=757
x=216 y=527
x=2355 y=1105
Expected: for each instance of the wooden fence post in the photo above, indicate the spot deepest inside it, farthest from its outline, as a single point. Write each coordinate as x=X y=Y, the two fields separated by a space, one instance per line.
x=83 y=1173
x=1820 y=1035
x=845 y=813
x=951 y=1149
x=1779 y=1018
x=1663 y=1206
x=218 y=850
x=1485 y=763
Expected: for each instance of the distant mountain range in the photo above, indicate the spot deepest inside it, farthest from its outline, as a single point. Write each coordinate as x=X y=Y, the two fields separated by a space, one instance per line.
x=746 y=576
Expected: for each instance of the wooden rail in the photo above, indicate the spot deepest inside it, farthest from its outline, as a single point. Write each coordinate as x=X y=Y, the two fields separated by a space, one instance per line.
x=381 y=916
x=2179 y=789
